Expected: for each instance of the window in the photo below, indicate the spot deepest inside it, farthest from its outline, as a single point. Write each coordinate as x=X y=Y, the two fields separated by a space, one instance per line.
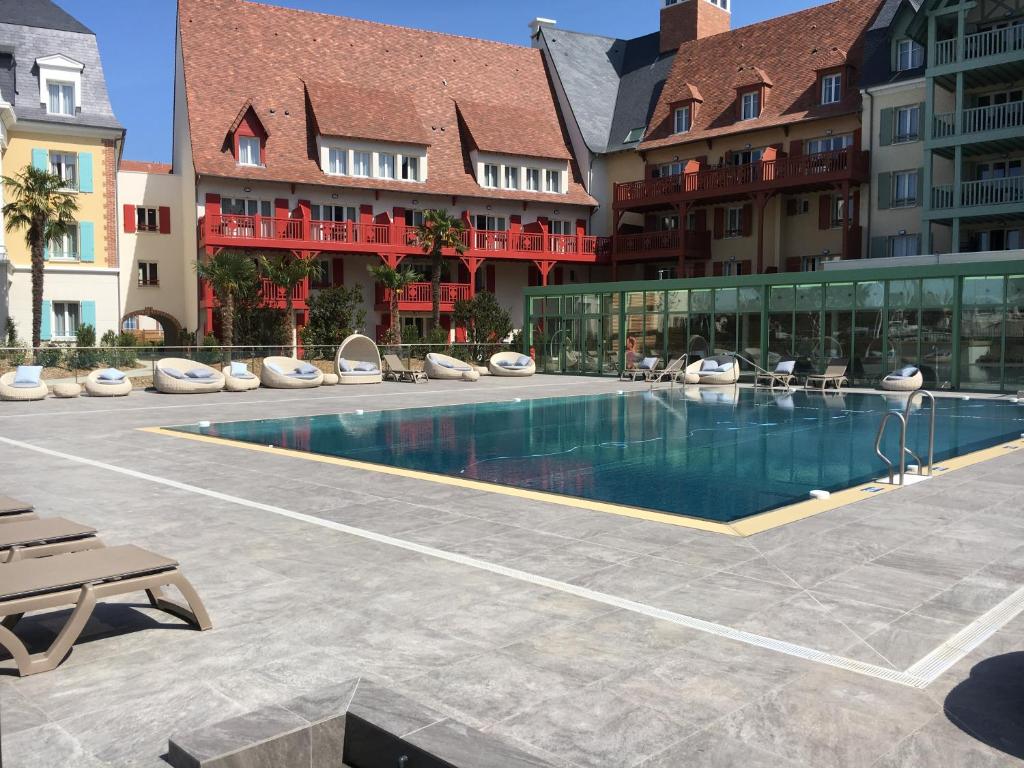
x=838 y=211
x=829 y=144
x=682 y=122
x=361 y=164
x=634 y=135
x=146 y=220
x=410 y=168
x=908 y=124
x=62 y=98
x=248 y=150
x=750 y=105
x=533 y=180
x=130 y=323
x=240 y=206
x=511 y=177
x=904 y=189
x=386 y=165
x=560 y=227
x=909 y=55
x=337 y=162
x=553 y=181
x=734 y=222
x=490 y=175
x=65 y=165
x=66 y=247
x=831 y=89
x=65 y=319
x=413 y=218
x=669 y=169
x=746 y=157
x=905 y=245
x=148 y=274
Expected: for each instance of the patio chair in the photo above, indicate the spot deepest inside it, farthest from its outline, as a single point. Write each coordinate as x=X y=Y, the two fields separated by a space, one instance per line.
x=108 y=382
x=358 y=361
x=238 y=378
x=906 y=379
x=782 y=376
x=81 y=579
x=396 y=370
x=642 y=370
x=23 y=384
x=717 y=371
x=511 y=364
x=674 y=371
x=178 y=376
x=834 y=376
x=24 y=539
x=447 y=368
x=289 y=373
x=12 y=510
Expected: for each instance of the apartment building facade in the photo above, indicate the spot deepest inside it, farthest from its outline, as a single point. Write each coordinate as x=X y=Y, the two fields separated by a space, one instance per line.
x=57 y=117
x=356 y=130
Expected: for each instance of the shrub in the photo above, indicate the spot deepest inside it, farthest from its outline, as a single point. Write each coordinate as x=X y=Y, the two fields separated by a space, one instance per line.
x=84 y=356
x=116 y=352
x=50 y=356
x=209 y=352
x=334 y=314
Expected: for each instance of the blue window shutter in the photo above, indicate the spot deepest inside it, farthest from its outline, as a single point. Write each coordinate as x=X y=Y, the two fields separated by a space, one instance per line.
x=86 y=249
x=88 y=313
x=44 y=331
x=85 y=171
x=41 y=159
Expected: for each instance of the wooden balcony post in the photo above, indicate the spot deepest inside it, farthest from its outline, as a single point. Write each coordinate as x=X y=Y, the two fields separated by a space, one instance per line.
x=761 y=198
x=472 y=264
x=683 y=212
x=545 y=266
x=846 y=218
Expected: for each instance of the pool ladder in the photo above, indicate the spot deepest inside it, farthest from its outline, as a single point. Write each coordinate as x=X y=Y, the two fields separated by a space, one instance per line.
x=903 y=419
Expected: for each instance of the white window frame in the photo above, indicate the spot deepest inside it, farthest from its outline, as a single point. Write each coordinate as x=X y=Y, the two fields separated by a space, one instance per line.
x=385 y=165
x=491 y=176
x=60 y=162
x=824 y=144
x=337 y=161
x=909 y=55
x=832 y=88
x=142 y=219
x=734 y=222
x=904 y=189
x=682 y=120
x=252 y=207
x=670 y=169
x=750 y=105
x=410 y=168
x=249 y=151
x=901 y=137
x=70 y=246
x=65 y=319
x=149 y=274
x=553 y=182
x=909 y=244
x=533 y=180
x=65 y=98
x=362 y=164
x=510 y=177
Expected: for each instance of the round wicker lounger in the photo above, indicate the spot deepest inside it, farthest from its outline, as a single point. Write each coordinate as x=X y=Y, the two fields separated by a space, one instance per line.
x=10 y=392
x=354 y=350
x=274 y=380
x=171 y=385
x=95 y=387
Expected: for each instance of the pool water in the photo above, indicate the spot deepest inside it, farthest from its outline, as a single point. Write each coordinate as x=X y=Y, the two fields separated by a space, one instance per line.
x=719 y=455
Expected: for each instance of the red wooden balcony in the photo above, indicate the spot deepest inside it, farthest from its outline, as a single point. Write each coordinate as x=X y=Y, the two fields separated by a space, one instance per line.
x=779 y=174
x=417 y=297
x=661 y=245
x=258 y=232
x=271 y=295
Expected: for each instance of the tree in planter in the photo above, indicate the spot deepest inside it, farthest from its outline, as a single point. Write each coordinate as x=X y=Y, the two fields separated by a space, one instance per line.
x=41 y=206
x=287 y=272
x=231 y=273
x=485 y=320
x=334 y=314
x=396 y=281
x=438 y=231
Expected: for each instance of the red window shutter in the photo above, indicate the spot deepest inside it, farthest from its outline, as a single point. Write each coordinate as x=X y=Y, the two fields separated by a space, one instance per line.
x=748 y=220
x=165 y=220
x=490 y=278
x=794 y=264
x=719 y=223
x=855 y=208
x=718 y=268
x=796 y=147
x=825 y=212
x=129 y=218
x=337 y=272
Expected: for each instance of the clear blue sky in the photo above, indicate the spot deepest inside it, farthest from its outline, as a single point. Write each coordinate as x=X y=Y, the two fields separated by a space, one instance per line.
x=137 y=40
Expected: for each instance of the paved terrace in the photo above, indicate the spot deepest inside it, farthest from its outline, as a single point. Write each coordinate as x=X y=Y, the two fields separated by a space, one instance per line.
x=573 y=680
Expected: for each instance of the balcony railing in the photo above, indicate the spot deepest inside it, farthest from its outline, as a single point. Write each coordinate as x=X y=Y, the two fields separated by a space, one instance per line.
x=943 y=125
x=980 y=45
x=994 y=118
x=780 y=173
x=417 y=296
x=942 y=196
x=992 y=192
x=945 y=51
x=665 y=244
x=277 y=294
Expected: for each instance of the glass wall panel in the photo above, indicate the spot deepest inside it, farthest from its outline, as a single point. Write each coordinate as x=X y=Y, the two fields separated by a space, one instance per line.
x=1013 y=361
x=591 y=345
x=869 y=333
x=781 y=302
x=904 y=322
x=678 y=301
x=726 y=327
x=655 y=301
x=654 y=335
x=938 y=296
x=613 y=360
x=701 y=324
x=635 y=301
x=840 y=299
x=750 y=307
x=591 y=304
x=677 y=333
x=981 y=337
x=807 y=328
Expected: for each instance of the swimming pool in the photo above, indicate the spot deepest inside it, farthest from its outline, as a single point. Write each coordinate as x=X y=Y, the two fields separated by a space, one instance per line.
x=716 y=455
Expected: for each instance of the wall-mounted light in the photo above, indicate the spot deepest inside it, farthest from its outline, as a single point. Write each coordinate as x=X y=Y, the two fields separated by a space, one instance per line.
x=675 y=158
x=828 y=132
x=248 y=189
x=556 y=212
x=826 y=252
x=335 y=196
x=902 y=232
x=489 y=207
x=415 y=202
x=746 y=146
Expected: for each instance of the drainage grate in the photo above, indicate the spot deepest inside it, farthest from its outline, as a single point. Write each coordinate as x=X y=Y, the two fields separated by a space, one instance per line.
x=367 y=746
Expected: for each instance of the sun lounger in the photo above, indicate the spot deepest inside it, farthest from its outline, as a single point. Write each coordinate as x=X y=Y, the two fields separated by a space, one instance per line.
x=908 y=379
x=674 y=371
x=834 y=376
x=642 y=370
x=24 y=384
x=358 y=361
x=718 y=371
x=238 y=378
x=108 y=382
x=447 y=368
x=81 y=579
x=782 y=376
x=41 y=538
x=12 y=510
x=178 y=376
x=397 y=370
x=289 y=373
x=511 y=364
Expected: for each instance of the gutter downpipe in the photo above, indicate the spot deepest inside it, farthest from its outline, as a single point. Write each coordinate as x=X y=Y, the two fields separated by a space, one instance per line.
x=871 y=186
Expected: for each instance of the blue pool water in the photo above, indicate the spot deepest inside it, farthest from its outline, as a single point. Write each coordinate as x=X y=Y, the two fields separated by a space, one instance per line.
x=717 y=455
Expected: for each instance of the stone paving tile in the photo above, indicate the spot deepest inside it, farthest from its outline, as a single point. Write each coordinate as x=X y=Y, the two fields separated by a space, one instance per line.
x=880 y=585
x=40 y=747
x=709 y=749
x=940 y=743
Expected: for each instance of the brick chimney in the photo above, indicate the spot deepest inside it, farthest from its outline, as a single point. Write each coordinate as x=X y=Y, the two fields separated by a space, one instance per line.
x=686 y=20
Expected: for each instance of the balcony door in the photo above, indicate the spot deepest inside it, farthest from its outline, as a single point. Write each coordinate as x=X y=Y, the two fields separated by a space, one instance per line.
x=490 y=229
x=239 y=214
x=326 y=216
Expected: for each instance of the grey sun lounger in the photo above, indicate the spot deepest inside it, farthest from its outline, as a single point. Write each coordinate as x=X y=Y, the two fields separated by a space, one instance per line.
x=22 y=539
x=397 y=370
x=81 y=579
x=834 y=376
x=12 y=509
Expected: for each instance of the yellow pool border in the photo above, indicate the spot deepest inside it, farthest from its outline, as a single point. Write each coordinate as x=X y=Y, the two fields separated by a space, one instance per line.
x=748 y=526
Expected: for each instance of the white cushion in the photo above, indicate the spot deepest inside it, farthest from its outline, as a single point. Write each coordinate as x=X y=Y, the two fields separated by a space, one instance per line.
x=786 y=367
x=344 y=366
x=649 y=363
x=174 y=373
x=522 y=361
x=725 y=367
x=906 y=372
x=28 y=375
x=200 y=373
x=707 y=364
x=110 y=374
x=274 y=367
x=239 y=369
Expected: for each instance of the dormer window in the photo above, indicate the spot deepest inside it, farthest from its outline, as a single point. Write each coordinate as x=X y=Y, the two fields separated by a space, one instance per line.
x=385 y=166
x=60 y=84
x=248 y=136
x=61 y=98
x=410 y=168
x=750 y=105
x=683 y=119
x=248 y=150
x=337 y=162
x=831 y=88
x=909 y=55
x=491 y=175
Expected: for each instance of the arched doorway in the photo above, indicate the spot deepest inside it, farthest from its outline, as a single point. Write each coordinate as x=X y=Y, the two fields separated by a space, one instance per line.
x=152 y=326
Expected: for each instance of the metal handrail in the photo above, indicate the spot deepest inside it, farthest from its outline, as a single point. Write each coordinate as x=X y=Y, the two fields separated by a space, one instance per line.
x=924 y=394
x=903 y=445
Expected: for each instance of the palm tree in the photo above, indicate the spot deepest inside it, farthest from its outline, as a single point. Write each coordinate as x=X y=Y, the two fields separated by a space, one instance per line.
x=46 y=213
x=438 y=231
x=396 y=281
x=287 y=272
x=230 y=273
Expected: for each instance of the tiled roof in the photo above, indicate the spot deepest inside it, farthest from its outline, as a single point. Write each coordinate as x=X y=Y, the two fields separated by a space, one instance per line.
x=497 y=128
x=143 y=166
x=354 y=112
x=787 y=51
x=224 y=40
x=747 y=76
x=684 y=92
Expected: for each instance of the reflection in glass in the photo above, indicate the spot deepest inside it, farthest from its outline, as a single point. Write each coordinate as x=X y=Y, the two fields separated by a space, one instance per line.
x=981 y=324
x=1013 y=362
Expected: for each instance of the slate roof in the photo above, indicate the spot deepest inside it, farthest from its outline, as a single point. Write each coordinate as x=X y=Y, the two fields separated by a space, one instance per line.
x=612 y=85
x=878 y=68
x=432 y=71
x=43 y=14
x=787 y=51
